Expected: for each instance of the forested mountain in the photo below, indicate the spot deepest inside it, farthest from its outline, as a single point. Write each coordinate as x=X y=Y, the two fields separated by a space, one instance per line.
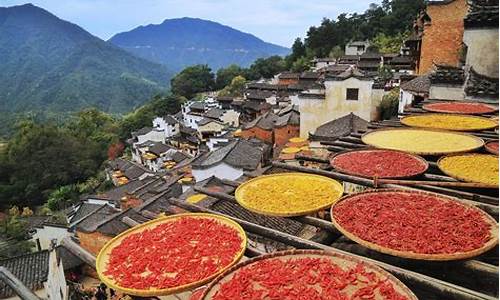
x=178 y=43
x=51 y=65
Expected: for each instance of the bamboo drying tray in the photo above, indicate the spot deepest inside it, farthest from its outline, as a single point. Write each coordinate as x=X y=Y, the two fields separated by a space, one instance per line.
x=464 y=177
x=420 y=160
x=434 y=107
x=421 y=256
x=339 y=259
x=488 y=147
x=265 y=184
x=449 y=122
x=105 y=252
x=442 y=138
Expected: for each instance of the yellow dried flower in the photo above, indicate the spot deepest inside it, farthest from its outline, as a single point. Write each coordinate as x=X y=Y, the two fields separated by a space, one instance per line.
x=449 y=122
x=288 y=194
x=421 y=141
x=480 y=168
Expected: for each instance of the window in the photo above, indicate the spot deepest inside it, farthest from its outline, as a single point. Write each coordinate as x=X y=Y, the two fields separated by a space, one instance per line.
x=361 y=48
x=352 y=94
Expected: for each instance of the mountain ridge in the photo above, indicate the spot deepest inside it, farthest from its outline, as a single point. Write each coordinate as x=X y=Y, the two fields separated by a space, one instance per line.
x=181 y=42
x=53 y=64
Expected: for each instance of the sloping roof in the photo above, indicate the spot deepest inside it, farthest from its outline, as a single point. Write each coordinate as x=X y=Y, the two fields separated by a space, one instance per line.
x=420 y=84
x=447 y=75
x=158 y=203
x=113 y=225
x=265 y=121
x=339 y=127
x=205 y=121
x=401 y=60
x=133 y=172
x=290 y=118
x=309 y=75
x=254 y=105
x=482 y=14
x=351 y=58
x=289 y=75
x=481 y=85
x=370 y=56
x=83 y=210
x=197 y=105
x=224 y=98
x=214 y=113
x=238 y=153
x=69 y=260
x=362 y=64
x=351 y=72
x=90 y=223
x=142 y=131
x=32 y=269
x=258 y=95
x=336 y=69
x=170 y=120
x=179 y=156
x=159 y=148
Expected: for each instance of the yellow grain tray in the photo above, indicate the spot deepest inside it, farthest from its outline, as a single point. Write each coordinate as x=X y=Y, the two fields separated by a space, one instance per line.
x=473 y=167
x=288 y=194
x=341 y=260
x=449 y=122
x=297 y=140
x=422 y=141
x=104 y=255
x=290 y=150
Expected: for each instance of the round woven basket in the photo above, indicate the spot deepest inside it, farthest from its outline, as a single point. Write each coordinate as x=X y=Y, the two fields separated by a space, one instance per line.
x=349 y=172
x=241 y=198
x=490 y=123
x=104 y=254
x=431 y=107
x=459 y=176
x=339 y=259
x=478 y=143
x=489 y=148
x=420 y=256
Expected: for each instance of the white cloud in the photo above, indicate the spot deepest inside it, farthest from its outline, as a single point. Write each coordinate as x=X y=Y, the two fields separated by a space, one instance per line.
x=278 y=21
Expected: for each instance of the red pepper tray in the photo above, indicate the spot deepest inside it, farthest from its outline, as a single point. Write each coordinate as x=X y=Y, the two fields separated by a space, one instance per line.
x=306 y=274
x=415 y=224
x=380 y=163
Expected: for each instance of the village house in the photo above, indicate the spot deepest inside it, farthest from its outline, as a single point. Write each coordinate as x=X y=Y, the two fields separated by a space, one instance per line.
x=442 y=32
x=121 y=171
x=208 y=128
x=370 y=62
x=342 y=126
x=48 y=233
x=320 y=63
x=413 y=91
x=286 y=78
x=230 y=161
x=356 y=47
x=350 y=91
x=192 y=113
x=275 y=129
x=168 y=124
x=348 y=59
x=42 y=272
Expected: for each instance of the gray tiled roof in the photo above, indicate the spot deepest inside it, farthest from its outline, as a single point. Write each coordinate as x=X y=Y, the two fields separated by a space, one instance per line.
x=197 y=105
x=113 y=225
x=447 y=75
x=32 y=269
x=170 y=120
x=339 y=127
x=482 y=14
x=89 y=224
x=265 y=121
x=481 y=86
x=214 y=113
x=142 y=131
x=420 y=84
x=83 y=210
x=159 y=148
x=239 y=154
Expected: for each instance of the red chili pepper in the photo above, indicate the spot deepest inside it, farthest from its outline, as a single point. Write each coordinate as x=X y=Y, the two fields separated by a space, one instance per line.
x=380 y=163
x=173 y=254
x=460 y=108
x=413 y=222
x=304 y=279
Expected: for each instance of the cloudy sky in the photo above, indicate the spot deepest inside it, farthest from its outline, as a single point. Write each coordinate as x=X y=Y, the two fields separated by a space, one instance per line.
x=276 y=21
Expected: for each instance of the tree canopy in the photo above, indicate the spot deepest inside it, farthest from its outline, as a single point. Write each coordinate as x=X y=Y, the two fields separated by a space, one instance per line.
x=193 y=80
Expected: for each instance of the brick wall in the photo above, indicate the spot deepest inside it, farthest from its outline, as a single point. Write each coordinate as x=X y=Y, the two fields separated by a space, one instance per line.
x=287 y=81
x=259 y=133
x=442 y=38
x=92 y=242
x=283 y=134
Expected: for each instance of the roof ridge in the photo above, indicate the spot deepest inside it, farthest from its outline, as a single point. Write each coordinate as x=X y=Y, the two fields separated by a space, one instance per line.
x=23 y=255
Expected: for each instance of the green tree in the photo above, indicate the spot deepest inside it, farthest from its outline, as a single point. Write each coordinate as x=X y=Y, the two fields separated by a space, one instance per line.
x=336 y=52
x=62 y=197
x=226 y=75
x=268 y=67
x=388 y=107
x=192 y=80
x=300 y=65
x=389 y=44
x=236 y=88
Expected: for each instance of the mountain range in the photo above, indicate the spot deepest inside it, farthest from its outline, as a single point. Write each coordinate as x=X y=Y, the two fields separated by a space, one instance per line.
x=48 y=64
x=177 y=43
x=51 y=65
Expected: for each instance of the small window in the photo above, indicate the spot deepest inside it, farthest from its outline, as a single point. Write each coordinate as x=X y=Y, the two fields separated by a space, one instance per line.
x=352 y=94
